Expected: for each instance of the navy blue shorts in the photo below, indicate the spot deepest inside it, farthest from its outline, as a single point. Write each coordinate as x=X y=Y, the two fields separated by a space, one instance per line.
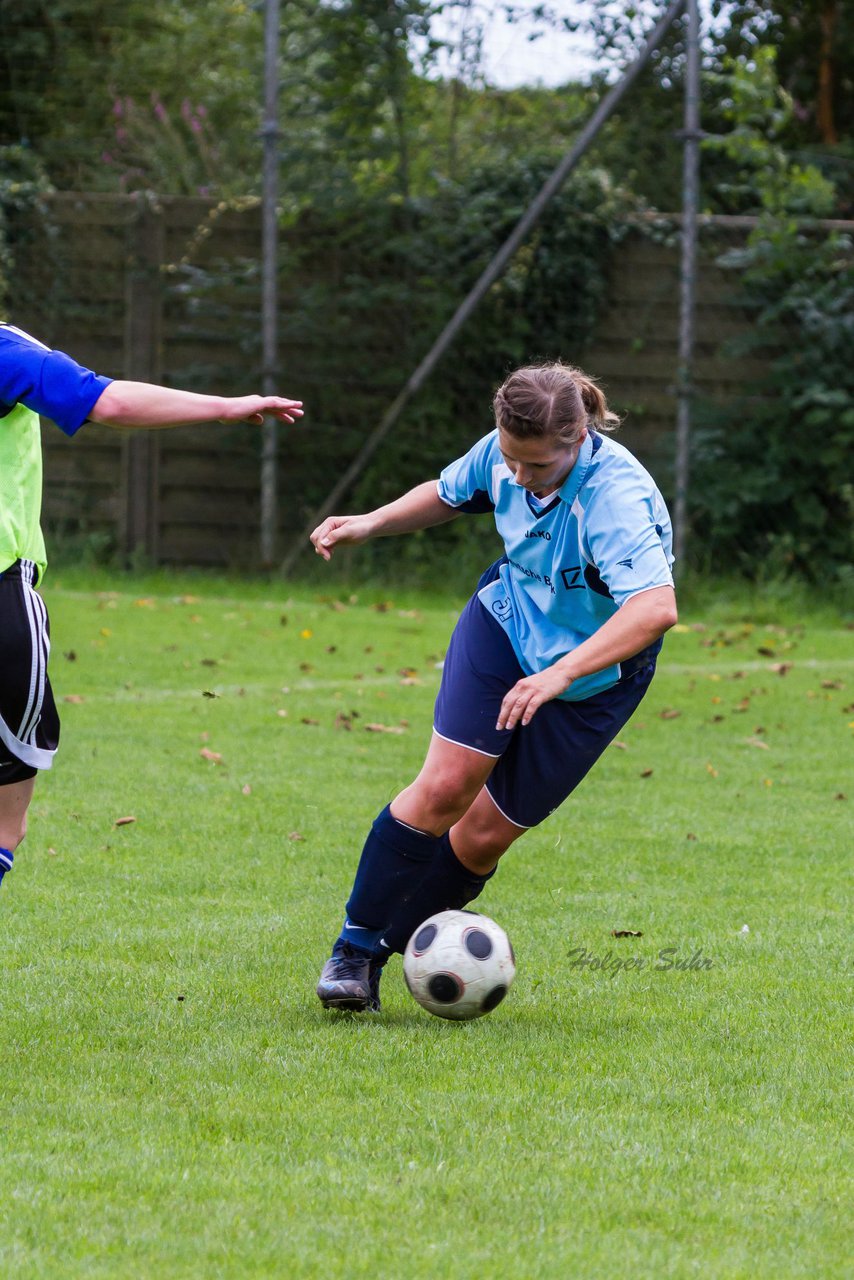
x=538 y=764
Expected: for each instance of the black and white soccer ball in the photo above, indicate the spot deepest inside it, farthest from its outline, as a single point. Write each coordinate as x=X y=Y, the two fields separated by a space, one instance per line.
x=459 y=965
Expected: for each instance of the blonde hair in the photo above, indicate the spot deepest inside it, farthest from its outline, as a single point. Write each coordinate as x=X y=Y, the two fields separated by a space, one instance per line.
x=551 y=400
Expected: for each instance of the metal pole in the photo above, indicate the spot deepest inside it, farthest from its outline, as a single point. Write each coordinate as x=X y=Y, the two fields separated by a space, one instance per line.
x=605 y=109
x=269 y=290
x=691 y=135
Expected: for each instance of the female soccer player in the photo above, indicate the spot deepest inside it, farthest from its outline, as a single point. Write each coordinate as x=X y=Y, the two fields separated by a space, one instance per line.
x=547 y=662
x=35 y=380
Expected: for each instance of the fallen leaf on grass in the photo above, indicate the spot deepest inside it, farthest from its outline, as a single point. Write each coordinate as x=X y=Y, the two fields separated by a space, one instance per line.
x=621 y=746
x=213 y=756
x=646 y=773
x=383 y=606
x=781 y=668
x=832 y=684
x=295 y=835
x=757 y=742
x=246 y=790
x=52 y=851
x=626 y=933
x=124 y=822
x=670 y=713
x=76 y=698
x=840 y=795
x=71 y=656
x=385 y=728
x=208 y=693
x=711 y=770
x=308 y=720
x=306 y=633
x=690 y=836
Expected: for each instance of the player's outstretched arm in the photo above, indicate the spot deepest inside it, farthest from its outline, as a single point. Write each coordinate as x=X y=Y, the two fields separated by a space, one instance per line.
x=143 y=404
x=420 y=508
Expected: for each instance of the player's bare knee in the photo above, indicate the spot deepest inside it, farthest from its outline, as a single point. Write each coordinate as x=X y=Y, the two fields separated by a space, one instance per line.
x=443 y=801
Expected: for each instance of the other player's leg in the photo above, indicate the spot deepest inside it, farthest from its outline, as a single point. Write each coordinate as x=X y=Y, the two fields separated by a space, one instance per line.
x=14 y=802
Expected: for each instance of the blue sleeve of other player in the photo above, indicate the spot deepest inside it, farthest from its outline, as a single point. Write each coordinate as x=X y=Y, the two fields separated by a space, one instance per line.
x=48 y=382
x=627 y=536
x=466 y=483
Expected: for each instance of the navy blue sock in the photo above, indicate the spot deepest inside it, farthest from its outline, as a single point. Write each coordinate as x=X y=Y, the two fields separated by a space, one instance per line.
x=6 y=860
x=393 y=862
x=447 y=886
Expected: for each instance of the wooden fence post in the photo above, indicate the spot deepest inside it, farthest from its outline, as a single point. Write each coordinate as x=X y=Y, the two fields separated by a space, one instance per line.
x=143 y=363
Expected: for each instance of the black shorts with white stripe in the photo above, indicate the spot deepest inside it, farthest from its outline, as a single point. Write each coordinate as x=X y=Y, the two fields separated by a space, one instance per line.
x=29 y=721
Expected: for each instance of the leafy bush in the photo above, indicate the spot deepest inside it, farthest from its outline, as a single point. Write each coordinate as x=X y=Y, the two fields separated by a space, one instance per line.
x=23 y=183
x=772 y=490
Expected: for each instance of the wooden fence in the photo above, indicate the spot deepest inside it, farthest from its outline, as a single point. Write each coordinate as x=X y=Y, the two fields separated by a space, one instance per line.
x=98 y=286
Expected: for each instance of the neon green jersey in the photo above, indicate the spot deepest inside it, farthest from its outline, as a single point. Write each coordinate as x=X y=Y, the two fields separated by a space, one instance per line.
x=33 y=380
x=21 y=536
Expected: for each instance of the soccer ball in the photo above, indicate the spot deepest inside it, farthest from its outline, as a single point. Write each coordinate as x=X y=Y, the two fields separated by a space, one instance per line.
x=459 y=965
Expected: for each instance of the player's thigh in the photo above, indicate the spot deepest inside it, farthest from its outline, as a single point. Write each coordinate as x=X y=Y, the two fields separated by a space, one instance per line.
x=483 y=834
x=450 y=779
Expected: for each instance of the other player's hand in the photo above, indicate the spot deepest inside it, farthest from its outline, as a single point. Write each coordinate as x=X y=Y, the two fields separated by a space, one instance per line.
x=528 y=695
x=344 y=531
x=254 y=408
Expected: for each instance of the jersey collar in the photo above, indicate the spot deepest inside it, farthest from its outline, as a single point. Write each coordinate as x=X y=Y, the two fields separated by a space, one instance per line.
x=573 y=482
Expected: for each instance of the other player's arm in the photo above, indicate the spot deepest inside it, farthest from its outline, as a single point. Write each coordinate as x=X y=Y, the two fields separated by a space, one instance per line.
x=636 y=624
x=143 y=404
x=420 y=508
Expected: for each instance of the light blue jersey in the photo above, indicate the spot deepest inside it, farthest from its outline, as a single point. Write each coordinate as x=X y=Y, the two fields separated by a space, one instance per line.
x=603 y=538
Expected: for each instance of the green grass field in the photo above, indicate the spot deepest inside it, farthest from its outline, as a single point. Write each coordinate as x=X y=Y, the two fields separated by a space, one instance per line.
x=175 y=1103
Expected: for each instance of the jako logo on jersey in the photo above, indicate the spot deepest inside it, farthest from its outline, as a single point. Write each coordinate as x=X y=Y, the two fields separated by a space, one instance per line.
x=538 y=533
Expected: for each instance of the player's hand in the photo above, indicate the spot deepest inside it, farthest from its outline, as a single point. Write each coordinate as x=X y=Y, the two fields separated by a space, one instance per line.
x=340 y=531
x=528 y=695
x=254 y=408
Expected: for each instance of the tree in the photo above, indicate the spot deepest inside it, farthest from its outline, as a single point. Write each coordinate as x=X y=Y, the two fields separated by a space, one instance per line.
x=814 y=41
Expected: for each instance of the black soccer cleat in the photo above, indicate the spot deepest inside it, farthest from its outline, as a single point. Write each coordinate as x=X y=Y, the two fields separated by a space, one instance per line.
x=346 y=981
x=374 y=974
